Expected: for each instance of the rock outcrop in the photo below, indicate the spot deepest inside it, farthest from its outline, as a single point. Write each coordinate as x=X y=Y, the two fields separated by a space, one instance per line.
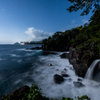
x=58 y=79
x=78 y=84
x=80 y=59
x=17 y=94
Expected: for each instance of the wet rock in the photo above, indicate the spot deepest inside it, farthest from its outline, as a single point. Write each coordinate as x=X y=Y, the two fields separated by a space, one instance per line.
x=19 y=93
x=72 y=61
x=63 y=72
x=58 y=79
x=71 y=68
x=64 y=75
x=50 y=64
x=79 y=79
x=70 y=79
x=48 y=52
x=65 y=69
x=78 y=84
x=64 y=55
x=80 y=69
x=35 y=48
x=57 y=69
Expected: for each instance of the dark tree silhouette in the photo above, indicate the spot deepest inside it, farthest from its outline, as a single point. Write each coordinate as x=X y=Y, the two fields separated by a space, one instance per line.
x=86 y=5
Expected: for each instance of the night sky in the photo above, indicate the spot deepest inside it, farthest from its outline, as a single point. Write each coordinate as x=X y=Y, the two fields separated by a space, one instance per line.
x=34 y=20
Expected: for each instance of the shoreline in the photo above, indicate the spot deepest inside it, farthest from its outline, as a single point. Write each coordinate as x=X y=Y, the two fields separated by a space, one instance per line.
x=67 y=56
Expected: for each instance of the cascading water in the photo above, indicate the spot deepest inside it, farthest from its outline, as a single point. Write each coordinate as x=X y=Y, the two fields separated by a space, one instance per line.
x=93 y=72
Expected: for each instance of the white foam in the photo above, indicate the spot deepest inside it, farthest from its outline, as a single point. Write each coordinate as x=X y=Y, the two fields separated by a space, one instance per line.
x=14 y=55
x=43 y=77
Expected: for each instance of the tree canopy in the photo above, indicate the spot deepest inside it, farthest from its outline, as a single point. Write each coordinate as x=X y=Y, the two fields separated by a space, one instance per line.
x=86 y=5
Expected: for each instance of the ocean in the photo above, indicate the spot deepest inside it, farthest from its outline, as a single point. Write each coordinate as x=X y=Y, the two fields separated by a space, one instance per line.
x=15 y=65
x=19 y=67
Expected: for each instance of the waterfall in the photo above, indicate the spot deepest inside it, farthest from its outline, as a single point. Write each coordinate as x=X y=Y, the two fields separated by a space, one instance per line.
x=94 y=71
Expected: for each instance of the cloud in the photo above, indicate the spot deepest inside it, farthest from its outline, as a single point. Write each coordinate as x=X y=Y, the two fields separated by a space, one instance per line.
x=2 y=9
x=37 y=35
x=73 y=21
x=84 y=21
x=72 y=26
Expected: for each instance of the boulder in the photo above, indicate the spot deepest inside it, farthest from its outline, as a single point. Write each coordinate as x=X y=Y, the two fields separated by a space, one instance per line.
x=80 y=69
x=18 y=94
x=65 y=69
x=57 y=69
x=70 y=79
x=48 y=52
x=64 y=55
x=58 y=79
x=63 y=74
x=72 y=61
x=79 y=79
x=71 y=68
x=35 y=48
x=78 y=84
x=50 y=64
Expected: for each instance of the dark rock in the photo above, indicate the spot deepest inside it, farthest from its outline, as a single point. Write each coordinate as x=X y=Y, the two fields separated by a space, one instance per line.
x=71 y=68
x=64 y=55
x=75 y=55
x=48 y=52
x=79 y=79
x=19 y=93
x=57 y=69
x=58 y=79
x=50 y=64
x=70 y=79
x=78 y=61
x=64 y=75
x=80 y=69
x=72 y=61
x=35 y=48
x=63 y=72
x=78 y=84
x=65 y=69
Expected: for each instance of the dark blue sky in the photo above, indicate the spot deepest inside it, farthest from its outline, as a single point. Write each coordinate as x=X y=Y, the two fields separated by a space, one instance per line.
x=26 y=20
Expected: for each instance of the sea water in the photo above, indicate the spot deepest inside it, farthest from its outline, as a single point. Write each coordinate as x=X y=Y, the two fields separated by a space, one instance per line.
x=19 y=67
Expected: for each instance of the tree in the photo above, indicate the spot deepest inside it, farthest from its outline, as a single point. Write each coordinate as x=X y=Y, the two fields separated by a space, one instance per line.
x=86 y=4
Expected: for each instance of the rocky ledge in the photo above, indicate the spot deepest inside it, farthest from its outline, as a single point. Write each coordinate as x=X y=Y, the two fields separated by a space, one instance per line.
x=35 y=48
x=18 y=94
x=80 y=59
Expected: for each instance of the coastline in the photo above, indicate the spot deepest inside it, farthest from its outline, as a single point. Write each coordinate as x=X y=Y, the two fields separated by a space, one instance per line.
x=58 y=71
x=73 y=81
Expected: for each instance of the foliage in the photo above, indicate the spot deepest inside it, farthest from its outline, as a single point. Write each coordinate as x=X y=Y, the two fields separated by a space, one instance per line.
x=86 y=5
x=84 y=97
x=85 y=37
x=60 y=40
x=35 y=94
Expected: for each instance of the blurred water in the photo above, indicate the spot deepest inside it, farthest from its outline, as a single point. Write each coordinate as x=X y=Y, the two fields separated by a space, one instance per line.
x=19 y=67
x=15 y=63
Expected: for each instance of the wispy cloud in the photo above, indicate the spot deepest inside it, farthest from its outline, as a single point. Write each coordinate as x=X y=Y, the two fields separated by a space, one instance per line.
x=36 y=34
x=2 y=9
x=84 y=21
x=73 y=21
x=72 y=26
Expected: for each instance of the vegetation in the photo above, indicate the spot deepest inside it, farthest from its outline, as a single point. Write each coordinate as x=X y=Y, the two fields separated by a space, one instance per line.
x=85 y=38
x=87 y=5
x=82 y=37
x=35 y=94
